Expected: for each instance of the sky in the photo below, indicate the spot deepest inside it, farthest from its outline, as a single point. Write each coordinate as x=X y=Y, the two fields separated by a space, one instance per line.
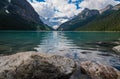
x=56 y=12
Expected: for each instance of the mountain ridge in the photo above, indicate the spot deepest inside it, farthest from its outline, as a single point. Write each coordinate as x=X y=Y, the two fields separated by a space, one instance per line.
x=85 y=16
x=19 y=15
x=107 y=21
x=107 y=17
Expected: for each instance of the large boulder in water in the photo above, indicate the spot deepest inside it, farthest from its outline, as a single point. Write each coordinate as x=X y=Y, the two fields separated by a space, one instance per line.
x=99 y=71
x=117 y=49
x=32 y=65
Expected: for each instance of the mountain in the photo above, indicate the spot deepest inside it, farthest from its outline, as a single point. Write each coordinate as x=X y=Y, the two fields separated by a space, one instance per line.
x=19 y=15
x=108 y=19
x=55 y=21
x=117 y=7
x=106 y=9
x=81 y=19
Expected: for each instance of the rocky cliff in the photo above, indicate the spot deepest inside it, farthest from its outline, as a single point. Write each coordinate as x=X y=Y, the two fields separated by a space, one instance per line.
x=106 y=9
x=19 y=15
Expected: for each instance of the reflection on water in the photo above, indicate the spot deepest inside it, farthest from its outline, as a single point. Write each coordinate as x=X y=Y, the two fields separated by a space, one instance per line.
x=56 y=43
x=76 y=45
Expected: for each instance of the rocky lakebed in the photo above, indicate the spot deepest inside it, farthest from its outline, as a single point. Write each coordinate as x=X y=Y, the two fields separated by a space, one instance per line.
x=34 y=65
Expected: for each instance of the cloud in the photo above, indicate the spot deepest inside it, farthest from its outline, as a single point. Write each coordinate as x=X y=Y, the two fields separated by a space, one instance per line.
x=50 y=9
x=56 y=12
x=97 y=4
x=44 y=9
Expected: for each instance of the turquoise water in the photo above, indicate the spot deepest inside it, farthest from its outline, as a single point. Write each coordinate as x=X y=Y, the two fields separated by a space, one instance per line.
x=80 y=46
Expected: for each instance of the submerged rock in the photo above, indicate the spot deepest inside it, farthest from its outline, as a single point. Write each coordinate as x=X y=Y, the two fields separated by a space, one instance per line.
x=105 y=44
x=116 y=49
x=85 y=52
x=99 y=71
x=108 y=44
x=32 y=65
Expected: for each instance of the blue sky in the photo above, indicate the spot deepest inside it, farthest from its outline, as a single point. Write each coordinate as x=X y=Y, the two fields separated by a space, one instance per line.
x=56 y=12
x=76 y=2
x=69 y=1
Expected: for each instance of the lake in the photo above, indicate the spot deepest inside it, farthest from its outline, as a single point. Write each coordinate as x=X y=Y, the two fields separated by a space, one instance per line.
x=80 y=46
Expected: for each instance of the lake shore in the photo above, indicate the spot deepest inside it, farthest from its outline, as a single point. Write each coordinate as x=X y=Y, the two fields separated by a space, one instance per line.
x=98 y=49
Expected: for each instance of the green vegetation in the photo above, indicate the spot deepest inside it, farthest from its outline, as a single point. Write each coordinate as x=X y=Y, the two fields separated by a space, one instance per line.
x=105 y=22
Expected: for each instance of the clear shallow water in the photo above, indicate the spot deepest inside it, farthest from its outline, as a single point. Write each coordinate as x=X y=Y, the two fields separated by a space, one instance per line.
x=77 y=45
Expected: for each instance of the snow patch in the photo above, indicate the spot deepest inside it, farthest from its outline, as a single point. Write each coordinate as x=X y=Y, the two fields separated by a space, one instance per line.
x=7 y=11
x=55 y=27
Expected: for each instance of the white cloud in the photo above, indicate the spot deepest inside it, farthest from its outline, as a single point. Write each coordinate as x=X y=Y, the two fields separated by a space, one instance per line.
x=44 y=9
x=51 y=9
x=55 y=26
x=54 y=9
x=97 y=4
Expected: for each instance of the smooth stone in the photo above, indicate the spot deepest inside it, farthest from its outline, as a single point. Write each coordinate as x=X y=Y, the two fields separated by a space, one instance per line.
x=116 y=49
x=32 y=65
x=99 y=71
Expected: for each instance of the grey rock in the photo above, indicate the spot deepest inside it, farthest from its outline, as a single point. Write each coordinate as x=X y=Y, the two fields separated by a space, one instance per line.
x=99 y=71
x=30 y=65
x=116 y=49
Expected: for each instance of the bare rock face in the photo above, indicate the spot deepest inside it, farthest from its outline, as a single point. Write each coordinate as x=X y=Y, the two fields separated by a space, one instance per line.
x=106 y=9
x=99 y=71
x=117 y=49
x=117 y=7
x=30 y=65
